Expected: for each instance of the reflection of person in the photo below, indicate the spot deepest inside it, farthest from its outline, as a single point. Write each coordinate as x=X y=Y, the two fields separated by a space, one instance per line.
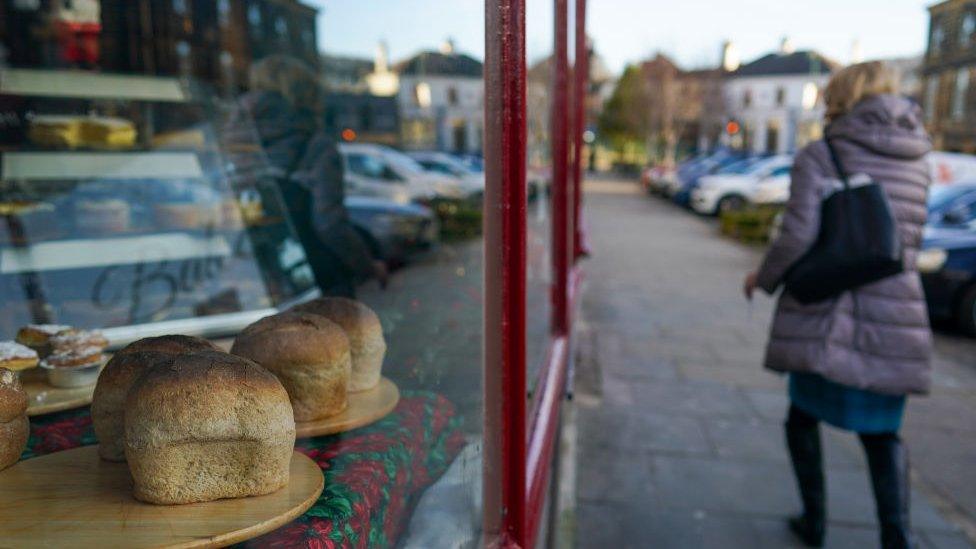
x=285 y=104
x=853 y=358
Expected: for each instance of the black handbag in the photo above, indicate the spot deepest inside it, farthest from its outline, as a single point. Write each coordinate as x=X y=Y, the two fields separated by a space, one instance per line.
x=858 y=242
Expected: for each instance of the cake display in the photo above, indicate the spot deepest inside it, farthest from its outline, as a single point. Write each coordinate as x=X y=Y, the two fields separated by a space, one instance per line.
x=15 y=357
x=207 y=426
x=308 y=353
x=364 y=331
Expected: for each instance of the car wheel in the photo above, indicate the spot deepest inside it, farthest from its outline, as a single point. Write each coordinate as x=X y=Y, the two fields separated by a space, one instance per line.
x=967 y=312
x=731 y=203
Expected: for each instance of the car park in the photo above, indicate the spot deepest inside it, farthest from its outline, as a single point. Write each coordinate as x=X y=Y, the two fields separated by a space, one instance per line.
x=947 y=260
x=381 y=171
x=687 y=180
x=733 y=187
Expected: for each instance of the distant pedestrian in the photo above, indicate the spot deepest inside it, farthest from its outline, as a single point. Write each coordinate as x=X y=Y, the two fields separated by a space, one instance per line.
x=852 y=359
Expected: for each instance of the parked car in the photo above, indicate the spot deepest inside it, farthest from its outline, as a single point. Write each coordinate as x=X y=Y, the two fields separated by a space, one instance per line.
x=380 y=171
x=688 y=181
x=732 y=188
x=395 y=232
x=472 y=182
x=947 y=261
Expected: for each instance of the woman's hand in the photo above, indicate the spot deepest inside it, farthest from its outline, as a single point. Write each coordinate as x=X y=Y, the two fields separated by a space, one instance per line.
x=749 y=286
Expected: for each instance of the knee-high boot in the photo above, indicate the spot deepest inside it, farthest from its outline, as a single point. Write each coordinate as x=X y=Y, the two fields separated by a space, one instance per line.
x=888 y=463
x=803 y=441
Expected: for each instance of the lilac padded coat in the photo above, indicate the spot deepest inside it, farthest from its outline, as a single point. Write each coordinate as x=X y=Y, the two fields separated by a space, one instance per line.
x=884 y=344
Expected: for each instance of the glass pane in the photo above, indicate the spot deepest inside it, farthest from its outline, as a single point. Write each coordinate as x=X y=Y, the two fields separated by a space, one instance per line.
x=539 y=45
x=193 y=166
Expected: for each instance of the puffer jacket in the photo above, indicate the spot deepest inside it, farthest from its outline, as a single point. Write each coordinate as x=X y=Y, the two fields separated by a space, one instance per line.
x=876 y=337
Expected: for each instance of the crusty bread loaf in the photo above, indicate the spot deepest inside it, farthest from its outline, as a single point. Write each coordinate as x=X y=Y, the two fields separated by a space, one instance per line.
x=14 y=427
x=308 y=353
x=108 y=402
x=365 y=333
x=207 y=426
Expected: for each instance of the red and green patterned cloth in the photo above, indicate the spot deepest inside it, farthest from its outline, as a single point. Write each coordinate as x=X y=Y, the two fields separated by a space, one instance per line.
x=373 y=475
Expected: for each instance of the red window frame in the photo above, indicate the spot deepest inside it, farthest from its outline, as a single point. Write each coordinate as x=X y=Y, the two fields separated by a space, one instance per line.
x=518 y=450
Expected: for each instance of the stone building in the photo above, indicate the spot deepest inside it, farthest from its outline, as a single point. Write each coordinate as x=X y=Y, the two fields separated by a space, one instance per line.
x=947 y=74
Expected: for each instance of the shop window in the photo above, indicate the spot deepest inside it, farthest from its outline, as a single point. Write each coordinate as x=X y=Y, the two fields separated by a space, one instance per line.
x=960 y=94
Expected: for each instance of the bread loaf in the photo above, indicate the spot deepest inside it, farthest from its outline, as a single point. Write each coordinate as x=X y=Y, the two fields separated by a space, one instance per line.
x=308 y=353
x=366 y=344
x=14 y=426
x=108 y=402
x=207 y=426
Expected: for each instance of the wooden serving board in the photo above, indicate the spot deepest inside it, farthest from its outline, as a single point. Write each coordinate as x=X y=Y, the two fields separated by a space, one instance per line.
x=43 y=398
x=74 y=499
x=364 y=408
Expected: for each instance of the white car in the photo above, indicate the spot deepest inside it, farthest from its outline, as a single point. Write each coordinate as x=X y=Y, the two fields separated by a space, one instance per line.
x=734 y=187
x=472 y=182
x=380 y=171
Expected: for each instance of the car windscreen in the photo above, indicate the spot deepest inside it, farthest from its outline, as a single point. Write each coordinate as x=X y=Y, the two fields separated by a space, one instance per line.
x=941 y=196
x=403 y=162
x=740 y=167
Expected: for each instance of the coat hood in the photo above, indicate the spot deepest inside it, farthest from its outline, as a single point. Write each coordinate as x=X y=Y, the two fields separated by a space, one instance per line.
x=888 y=125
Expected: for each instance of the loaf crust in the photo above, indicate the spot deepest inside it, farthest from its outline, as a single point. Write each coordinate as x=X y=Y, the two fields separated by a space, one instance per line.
x=115 y=380
x=308 y=353
x=14 y=426
x=366 y=343
x=207 y=426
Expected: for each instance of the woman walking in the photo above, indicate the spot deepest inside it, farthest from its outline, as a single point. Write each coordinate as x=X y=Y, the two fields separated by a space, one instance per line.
x=853 y=358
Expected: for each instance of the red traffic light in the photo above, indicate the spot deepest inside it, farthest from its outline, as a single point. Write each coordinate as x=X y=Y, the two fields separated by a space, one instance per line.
x=732 y=128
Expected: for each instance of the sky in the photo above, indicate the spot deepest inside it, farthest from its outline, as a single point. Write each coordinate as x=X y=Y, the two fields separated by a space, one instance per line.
x=626 y=31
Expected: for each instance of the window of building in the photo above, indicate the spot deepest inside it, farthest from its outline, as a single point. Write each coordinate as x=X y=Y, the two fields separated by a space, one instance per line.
x=281 y=27
x=937 y=37
x=422 y=95
x=931 y=97
x=747 y=99
x=780 y=96
x=811 y=94
x=452 y=97
x=179 y=6
x=967 y=29
x=254 y=16
x=960 y=95
x=223 y=12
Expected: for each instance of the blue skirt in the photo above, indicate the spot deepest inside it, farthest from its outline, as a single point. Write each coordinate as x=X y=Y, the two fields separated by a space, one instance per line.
x=846 y=407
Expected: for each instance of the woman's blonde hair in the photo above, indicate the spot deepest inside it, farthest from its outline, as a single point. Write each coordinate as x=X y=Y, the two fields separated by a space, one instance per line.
x=858 y=82
x=292 y=78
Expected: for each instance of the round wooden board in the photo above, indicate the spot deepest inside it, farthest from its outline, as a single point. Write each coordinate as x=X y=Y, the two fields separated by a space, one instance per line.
x=364 y=408
x=74 y=499
x=43 y=398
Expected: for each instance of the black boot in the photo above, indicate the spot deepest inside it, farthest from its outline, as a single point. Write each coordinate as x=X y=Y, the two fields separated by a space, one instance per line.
x=803 y=440
x=888 y=463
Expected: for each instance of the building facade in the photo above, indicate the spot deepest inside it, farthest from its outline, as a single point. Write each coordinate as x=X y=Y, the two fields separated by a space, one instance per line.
x=441 y=101
x=775 y=103
x=947 y=74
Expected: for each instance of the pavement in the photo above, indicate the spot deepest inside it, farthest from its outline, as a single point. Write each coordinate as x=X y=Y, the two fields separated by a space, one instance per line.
x=680 y=440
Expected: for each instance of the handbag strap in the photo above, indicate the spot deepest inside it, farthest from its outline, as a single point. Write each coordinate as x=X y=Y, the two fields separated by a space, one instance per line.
x=835 y=159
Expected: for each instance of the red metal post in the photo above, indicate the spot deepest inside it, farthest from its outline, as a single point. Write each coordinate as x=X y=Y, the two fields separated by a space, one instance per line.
x=582 y=77
x=505 y=274
x=561 y=198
